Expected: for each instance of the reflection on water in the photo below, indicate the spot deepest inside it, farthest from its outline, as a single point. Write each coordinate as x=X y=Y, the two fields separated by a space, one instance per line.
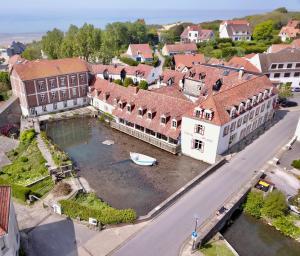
x=112 y=174
x=251 y=237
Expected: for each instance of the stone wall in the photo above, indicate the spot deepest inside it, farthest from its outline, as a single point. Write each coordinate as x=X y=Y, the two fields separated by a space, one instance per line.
x=10 y=112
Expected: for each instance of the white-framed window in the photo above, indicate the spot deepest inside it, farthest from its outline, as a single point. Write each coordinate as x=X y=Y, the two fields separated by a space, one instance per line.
x=82 y=78
x=62 y=81
x=269 y=104
x=257 y=111
x=239 y=123
x=44 y=108
x=54 y=105
x=41 y=85
x=128 y=108
x=232 y=126
x=226 y=131
x=198 y=112
x=52 y=84
x=63 y=94
x=163 y=120
x=198 y=145
x=32 y=111
x=245 y=119
x=74 y=90
x=262 y=108
x=73 y=80
x=199 y=128
x=74 y=101
x=251 y=115
x=149 y=115
x=53 y=95
x=65 y=104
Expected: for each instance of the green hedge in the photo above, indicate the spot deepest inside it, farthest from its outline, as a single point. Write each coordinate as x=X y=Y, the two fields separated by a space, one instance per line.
x=129 y=61
x=18 y=191
x=102 y=212
x=296 y=164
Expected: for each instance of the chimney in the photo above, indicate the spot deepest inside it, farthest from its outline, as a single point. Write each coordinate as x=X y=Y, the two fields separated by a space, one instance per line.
x=241 y=73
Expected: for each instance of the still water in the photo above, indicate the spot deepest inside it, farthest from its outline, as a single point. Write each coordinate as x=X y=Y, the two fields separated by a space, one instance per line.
x=111 y=173
x=252 y=237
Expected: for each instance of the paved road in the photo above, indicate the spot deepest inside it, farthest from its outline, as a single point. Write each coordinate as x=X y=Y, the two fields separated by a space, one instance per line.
x=166 y=233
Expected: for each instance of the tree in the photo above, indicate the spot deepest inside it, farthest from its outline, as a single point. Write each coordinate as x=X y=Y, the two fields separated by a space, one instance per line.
x=88 y=41
x=4 y=81
x=264 y=30
x=128 y=81
x=275 y=205
x=254 y=204
x=281 y=10
x=285 y=91
x=33 y=51
x=51 y=43
x=68 y=47
x=143 y=85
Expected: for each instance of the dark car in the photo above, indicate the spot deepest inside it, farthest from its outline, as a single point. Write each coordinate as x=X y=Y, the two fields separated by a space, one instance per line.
x=288 y=104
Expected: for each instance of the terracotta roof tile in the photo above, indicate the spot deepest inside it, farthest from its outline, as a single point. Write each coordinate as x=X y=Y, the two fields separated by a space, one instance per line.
x=5 y=197
x=190 y=47
x=239 y=62
x=30 y=70
x=143 y=49
x=188 y=60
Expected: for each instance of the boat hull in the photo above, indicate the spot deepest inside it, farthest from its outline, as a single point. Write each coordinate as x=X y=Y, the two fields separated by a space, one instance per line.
x=143 y=160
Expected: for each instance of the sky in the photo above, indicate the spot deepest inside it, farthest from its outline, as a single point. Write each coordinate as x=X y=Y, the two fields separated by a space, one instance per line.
x=31 y=5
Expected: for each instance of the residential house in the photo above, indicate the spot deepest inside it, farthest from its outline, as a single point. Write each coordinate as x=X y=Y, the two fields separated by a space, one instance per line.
x=237 y=30
x=281 y=67
x=290 y=31
x=113 y=72
x=45 y=86
x=173 y=49
x=9 y=230
x=140 y=52
x=195 y=34
x=227 y=115
x=278 y=47
x=183 y=62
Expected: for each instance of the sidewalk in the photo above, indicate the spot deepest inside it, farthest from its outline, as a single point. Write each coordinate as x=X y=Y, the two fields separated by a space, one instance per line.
x=45 y=152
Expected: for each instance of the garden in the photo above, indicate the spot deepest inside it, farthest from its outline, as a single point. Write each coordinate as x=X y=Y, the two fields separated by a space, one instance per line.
x=27 y=174
x=88 y=205
x=273 y=209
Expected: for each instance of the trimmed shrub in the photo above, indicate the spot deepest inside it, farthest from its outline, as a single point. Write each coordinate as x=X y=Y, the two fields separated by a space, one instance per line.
x=287 y=226
x=27 y=136
x=129 y=61
x=88 y=206
x=24 y=159
x=128 y=81
x=296 y=164
x=118 y=81
x=143 y=85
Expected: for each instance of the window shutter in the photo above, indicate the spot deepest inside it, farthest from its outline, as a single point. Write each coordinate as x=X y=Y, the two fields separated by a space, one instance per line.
x=195 y=128
x=203 y=129
x=193 y=143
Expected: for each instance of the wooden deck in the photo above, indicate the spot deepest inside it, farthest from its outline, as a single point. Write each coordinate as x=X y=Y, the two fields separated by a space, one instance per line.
x=174 y=149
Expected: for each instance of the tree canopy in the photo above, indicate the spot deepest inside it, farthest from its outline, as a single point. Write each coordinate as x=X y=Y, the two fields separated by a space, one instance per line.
x=264 y=30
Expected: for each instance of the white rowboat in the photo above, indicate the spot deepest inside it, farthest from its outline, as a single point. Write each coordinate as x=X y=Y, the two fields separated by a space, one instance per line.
x=142 y=159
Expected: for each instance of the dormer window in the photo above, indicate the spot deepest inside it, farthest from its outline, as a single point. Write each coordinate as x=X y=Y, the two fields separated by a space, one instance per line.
x=129 y=107
x=208 y=114
x=198 y=112
x=232 y=112
x=116 y=101
x=260 y=97
x=253 y=100
x=121 y=104
x=163 y=120
x=106 y=95
x=241 y=108
x=265 y=94
x=248 y=104
x=149 y=115
x=174 y=123
x=141 y=111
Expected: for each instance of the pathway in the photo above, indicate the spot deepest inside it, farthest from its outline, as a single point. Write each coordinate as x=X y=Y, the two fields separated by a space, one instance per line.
x=45 y=152
x=6 y=144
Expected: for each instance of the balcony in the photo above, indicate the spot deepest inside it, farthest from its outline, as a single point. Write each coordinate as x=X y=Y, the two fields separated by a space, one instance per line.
x=172 y=148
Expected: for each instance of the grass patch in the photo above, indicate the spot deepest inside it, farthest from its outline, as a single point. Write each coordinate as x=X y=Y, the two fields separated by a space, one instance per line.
x=28 y=164
x=59 y=157
x=216 y=248
x=89 y=205
x=43 y=187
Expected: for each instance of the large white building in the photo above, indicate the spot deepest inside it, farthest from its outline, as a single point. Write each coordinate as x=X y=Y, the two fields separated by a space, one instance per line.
x=237 y=30
x=281 y=67
x=9 y=231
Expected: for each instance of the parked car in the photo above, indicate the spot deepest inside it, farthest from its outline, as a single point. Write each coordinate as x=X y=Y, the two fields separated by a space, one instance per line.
x=285 y=103
x=295 y=89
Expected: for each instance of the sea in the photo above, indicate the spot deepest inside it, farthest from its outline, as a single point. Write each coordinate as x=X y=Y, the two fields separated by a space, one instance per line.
x=33 y=24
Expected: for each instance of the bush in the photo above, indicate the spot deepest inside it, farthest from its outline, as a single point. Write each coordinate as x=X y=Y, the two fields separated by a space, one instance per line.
x=24 y=159
x=118 y=81
x=254 y=204
x=143 y=85
x=88 y=206
x=27 y=136
x=128 y=81
x=287 y=226
x=129 y=61
x=296 y=164
x=275 y=205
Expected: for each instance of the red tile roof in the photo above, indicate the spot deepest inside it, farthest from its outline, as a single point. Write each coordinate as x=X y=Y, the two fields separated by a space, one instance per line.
x=30 y=70
x=159 y=103
x=142 y=49
x=292 y=29
x=229 y=96
x=168 y=74
x=190 y=47
x=235 y=22
x=188 y=60
x=239 y=62
x=278 y=47
x=203 y=34
x=5 y=198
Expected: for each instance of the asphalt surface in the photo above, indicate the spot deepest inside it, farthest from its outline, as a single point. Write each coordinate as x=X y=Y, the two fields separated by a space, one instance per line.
x=167 y=232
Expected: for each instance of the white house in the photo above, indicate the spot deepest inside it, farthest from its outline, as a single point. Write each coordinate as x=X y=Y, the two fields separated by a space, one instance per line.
x=237 y=30
x=195 y=34
x=227 y=116
x=290 y=31
x=281 y=67
x=140 y=52
x=9 y=231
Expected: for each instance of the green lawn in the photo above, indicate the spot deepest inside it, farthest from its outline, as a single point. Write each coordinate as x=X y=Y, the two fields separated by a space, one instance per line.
x=216 y=248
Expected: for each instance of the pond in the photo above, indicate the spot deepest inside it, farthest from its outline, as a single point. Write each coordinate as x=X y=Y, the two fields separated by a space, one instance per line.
x=252 y=237
x=111 y=173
